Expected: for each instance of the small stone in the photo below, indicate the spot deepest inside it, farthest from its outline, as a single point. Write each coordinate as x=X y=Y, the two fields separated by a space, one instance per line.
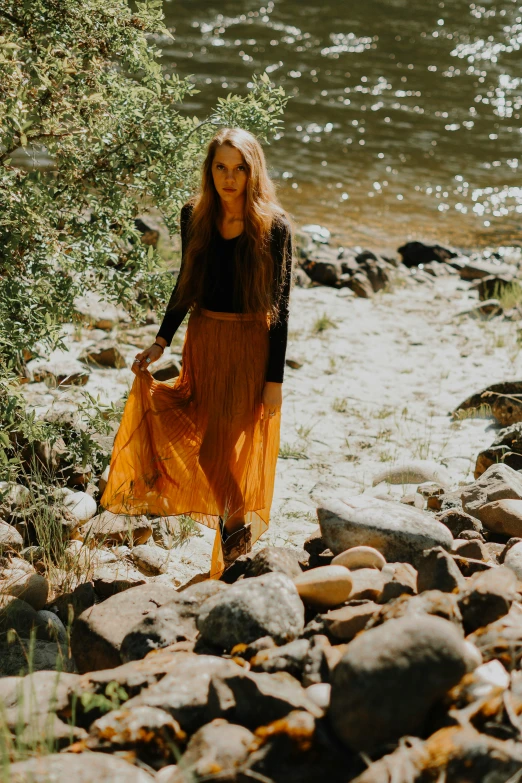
x=474 y=549
x=437 y=571
x=81 y=505
x=467 y=566
x=414 y=472
x=289 y=658
x=31 y=588
x=63 y=768
x=117 y=528
x=502 y=516
x=319 y=693
x=275 y=559
x=267 y=605
x=115 y=578
x=471 y=535
x=346 y=622
x=457 y=521
x=151 y=560
x=102 y=481
x=513 y=560
x=389 y=678
x=150 y=733
x=325 y=587
x=367 y=584
x=55 y=627
x=498 y=482
x=215 y=747
x=10 y=538
x=166 y=369
x=360 y=557
x=487 y=597
x=104 y=354
x=59 y=372
x=400 y=579
x=399 y=532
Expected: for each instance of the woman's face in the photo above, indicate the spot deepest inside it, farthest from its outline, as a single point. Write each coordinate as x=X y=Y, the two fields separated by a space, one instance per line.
x=229 y=172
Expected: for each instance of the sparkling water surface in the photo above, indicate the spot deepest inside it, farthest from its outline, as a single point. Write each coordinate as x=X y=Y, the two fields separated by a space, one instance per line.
x=404 y=118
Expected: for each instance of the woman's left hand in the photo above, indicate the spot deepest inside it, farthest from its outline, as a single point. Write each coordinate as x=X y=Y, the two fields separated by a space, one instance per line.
x=272 y=398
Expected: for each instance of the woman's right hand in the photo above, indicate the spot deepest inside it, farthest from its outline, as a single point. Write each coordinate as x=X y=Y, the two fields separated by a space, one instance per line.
x=144 y=359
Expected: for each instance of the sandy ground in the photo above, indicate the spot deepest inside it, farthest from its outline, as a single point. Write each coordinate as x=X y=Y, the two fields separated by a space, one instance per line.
x=376 y=386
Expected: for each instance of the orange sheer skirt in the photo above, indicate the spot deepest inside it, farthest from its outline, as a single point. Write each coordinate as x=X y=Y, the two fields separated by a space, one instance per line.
x=199 y=445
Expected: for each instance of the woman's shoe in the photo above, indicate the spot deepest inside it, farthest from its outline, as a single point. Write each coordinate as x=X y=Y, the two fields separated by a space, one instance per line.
x=236 y=544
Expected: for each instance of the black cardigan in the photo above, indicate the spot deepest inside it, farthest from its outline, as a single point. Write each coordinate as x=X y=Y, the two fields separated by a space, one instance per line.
x=219 y=289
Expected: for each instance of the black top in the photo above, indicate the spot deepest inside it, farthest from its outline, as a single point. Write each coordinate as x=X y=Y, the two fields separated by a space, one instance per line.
x=219 y=289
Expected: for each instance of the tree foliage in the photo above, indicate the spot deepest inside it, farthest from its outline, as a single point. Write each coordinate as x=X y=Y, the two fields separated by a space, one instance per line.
x=83 y=80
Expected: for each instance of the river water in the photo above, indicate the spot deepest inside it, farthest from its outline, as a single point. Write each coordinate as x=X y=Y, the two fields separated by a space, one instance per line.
x=404 y=118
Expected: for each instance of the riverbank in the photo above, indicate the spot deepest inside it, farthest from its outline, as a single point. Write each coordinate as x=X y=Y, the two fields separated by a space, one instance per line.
x=276 y=672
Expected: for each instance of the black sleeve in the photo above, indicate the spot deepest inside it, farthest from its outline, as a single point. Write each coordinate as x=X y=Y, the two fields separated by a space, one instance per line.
x=175 y=315
x=278 y=332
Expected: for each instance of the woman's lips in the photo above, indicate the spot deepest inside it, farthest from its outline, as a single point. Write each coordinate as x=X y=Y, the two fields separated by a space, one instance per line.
x=230 y=190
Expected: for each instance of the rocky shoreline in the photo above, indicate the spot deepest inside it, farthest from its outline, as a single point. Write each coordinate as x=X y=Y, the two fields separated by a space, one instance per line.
x=382 y=645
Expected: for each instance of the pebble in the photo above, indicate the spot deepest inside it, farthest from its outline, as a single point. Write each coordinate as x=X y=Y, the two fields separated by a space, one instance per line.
x=360 y=557
x=325 y=587
x=502 y=516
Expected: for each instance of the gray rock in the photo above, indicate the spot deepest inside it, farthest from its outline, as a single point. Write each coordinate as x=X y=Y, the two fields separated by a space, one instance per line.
x=289 y=658
x=399 y=532
x=400 y=579
x=21 y=657
x=437 y=571
x=454 y=754
x=39 y=705
x=389 y=678
x=99 y=631
x=275 y=559
x=217 y=747
x=59 y=372
x=487 y=597
x=457 y=521
x=166 y=369
x=502 y=640
x=498 y=482
x=151 y=560
x=114 y=578
x=431 y=602
x=104 y=354
x=502 y=516
x=82 y=768
x=148 y=732
x=414 y=472
x=513 y=559
x=117 y=528
x=10 y=538
x=171 y=623
x=345 y=623
x=183 y=691
x=267 y=605
x=199 y=688
x=31 y=588
x=21 y=617
x=55 y=627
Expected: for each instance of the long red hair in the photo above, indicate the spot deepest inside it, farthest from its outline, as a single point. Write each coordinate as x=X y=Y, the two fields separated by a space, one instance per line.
x=254 y=264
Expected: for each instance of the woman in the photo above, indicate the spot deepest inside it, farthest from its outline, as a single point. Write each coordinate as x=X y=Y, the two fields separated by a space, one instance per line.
x=206 y=444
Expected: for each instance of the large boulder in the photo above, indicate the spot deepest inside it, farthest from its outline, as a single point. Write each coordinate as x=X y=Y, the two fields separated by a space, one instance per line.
x=389 y=678
x=401 y=533
x=100 y=630
x=267 y=605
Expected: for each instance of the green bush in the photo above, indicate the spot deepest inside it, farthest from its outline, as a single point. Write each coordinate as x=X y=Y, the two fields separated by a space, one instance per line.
x=83 y=80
